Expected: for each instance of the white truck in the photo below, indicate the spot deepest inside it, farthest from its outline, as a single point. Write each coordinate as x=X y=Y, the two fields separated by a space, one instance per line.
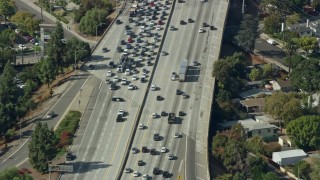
x=183 y=70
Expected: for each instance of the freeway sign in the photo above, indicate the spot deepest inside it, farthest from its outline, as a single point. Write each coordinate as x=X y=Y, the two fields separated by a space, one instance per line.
x=64 y=168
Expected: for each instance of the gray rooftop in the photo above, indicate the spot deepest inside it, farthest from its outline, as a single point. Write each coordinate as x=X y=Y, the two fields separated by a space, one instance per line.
x=254 y=93
x=249 y=124
x=290 y=153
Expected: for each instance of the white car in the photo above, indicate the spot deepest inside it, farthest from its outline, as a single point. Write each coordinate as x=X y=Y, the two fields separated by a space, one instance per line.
x=124 y=81
x=140 y=59
x=141 y=126
x=271 y=41
x=158 y=28
x=109 y=73
x=131 y=87
x=22 y=46
x=163 y=150
x=134 y=78
x=134 y=150
x=151 y=23
x=171 y=157
x=201 y=30
x=125 y=51
x=177 y=135
x=127 y=72
x=50 y=115
x=127 y=170
x=121 y=112
x=153 y=87
x=115 y=79
x=144 y=75
x=145 y=176
x=154 y=115
x=173 y=76
x=135 y=174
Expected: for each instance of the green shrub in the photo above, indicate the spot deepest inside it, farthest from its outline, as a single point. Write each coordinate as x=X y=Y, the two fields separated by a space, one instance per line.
x=69 y=123
x=9 y=134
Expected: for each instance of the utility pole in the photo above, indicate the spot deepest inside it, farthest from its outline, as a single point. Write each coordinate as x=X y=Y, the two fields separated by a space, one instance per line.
x=242 y=7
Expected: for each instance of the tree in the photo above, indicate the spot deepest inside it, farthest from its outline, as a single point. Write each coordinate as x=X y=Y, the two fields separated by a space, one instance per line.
x=270 y=176
x=234 y=156
x=56 y=47
x=257 y=166
x=286 y=106
x=272 y=23
x=293 y=19
x=42 y=147
x=290 y=47
x=91 y=20
x=7 y=9
x=308 y=43
x=302 y=170
x=7 y=38
x=239 y=176
x=255 y=145
x=255 y=74
x=315 y=4
x=14 y=174
x=306 y=75
x=76 y=47
x=267 y=70
x=248 y=32
x=6 y=55
x=305 y=132
x=25 y=22
x=225 y=177
x=47 y=70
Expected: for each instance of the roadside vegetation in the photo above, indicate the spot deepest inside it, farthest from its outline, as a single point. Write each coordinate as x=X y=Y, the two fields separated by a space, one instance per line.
x=15 y=174
x=244 y=158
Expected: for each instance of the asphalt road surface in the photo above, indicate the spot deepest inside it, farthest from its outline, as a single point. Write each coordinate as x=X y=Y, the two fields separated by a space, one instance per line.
x=100 y=144
x=183 y=43
x=270 y=51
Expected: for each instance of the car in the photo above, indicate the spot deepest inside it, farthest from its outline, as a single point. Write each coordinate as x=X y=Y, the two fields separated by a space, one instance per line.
x=163 y=113
x=177 y=135
x=123 y=42
x=136 y=23
x=125 y=52
x=50 y=115
x=113 y=86
x=172 y=28
x=211 y=27
x=163 y=53
x=159 y=98
x=115 y=79
x=166 y=174
x=109 y=73
x=173 y=76
x=130 y=20
x=22 y=47
x=115 y=98
x=143 y=80
x=124 y=81
x=134 y=71
x=154 y=115
x=204 y=24
x=134 y=78
x=119 y=49
x=135 y=174
x=131 y=87
x=127 y=170
x=144 y=71
x=128 y=46
x=185 y=96
x=190 y=20
x=156 y=137
x=179 y=92
x=181 y=113
x=171 y=157
x=111 y=64
x=139 y=40
x=104 y=50
x=182 y=22
x=69 y=156
x=144 y=149
x=153 y=87
x=134 y=150
x=272 y=41
x=121 y=112
x=151 y=23
x=127 y=72
x=153 y=151
x=149 y=63
x=118 y=21
x=127 y=27
x=145 y=176
x=158 y=28
x=119 y=69
x=163 y=150
x=127 y=32
x=201 y=30
x=141 y=126
x=166 y=2
x=130 y=40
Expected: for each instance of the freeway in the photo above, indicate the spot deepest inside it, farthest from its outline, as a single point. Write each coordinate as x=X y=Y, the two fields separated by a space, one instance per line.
x=101 y=142
x=183 y=43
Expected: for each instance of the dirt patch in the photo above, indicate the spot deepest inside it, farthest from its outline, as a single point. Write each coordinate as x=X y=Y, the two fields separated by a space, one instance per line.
x=36 y=175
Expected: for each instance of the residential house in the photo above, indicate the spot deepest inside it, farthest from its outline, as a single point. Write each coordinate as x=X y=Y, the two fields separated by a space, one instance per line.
x=281 y=85
x=284 y=158
x=252 y=128
x=302 y=29
x=254 y=104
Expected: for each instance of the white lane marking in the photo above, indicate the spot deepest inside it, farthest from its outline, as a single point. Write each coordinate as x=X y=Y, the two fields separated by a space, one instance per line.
x=100 y=85
x=180 y=166
x=199 y=178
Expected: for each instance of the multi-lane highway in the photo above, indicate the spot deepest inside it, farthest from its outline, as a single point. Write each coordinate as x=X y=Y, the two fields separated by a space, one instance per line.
x=184 y=43
x=101 y=145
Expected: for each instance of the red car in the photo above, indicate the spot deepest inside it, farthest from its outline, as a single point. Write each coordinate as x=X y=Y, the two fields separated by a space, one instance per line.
x=130 y=40
x=159 y=22
x=152 y=4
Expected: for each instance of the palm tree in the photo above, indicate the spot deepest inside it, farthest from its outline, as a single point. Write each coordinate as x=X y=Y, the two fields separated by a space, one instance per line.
x=290 y=47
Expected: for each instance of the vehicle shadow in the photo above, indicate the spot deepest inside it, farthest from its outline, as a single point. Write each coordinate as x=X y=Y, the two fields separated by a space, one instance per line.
x=83 y=167
x=193 y=74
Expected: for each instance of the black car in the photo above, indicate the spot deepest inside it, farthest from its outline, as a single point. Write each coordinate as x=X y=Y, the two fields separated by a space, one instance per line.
x=130 y=20
x=159 y=98
x=156 y=137
x=127 y=27
x=119 y=99
x=163 y=18
x=211 y=27
x=167 y=2
x=153 y=151
x=119 y=49
x=204 y=24
x=166 y=174
x=111 y=64
x=179 y=92
x=163 y=113
x=113 y=86
x=123 y=42
x=190 y=20
x=69 y=156
x=154 y=17
x=181 y=22
x=140 y=163
x=181 y=113
x=156 y=171
x=143 y=80
x=149 y=63
x=104 y=50
x=118 y=21
x=144 y=149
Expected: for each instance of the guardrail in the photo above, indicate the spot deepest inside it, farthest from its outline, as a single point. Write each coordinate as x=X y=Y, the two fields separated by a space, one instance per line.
x=129 y=144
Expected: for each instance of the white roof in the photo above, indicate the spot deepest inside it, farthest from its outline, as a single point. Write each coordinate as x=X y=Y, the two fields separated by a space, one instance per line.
x=290 y=153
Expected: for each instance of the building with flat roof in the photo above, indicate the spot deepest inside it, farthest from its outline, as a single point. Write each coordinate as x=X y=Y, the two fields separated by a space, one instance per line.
x=284 y=158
